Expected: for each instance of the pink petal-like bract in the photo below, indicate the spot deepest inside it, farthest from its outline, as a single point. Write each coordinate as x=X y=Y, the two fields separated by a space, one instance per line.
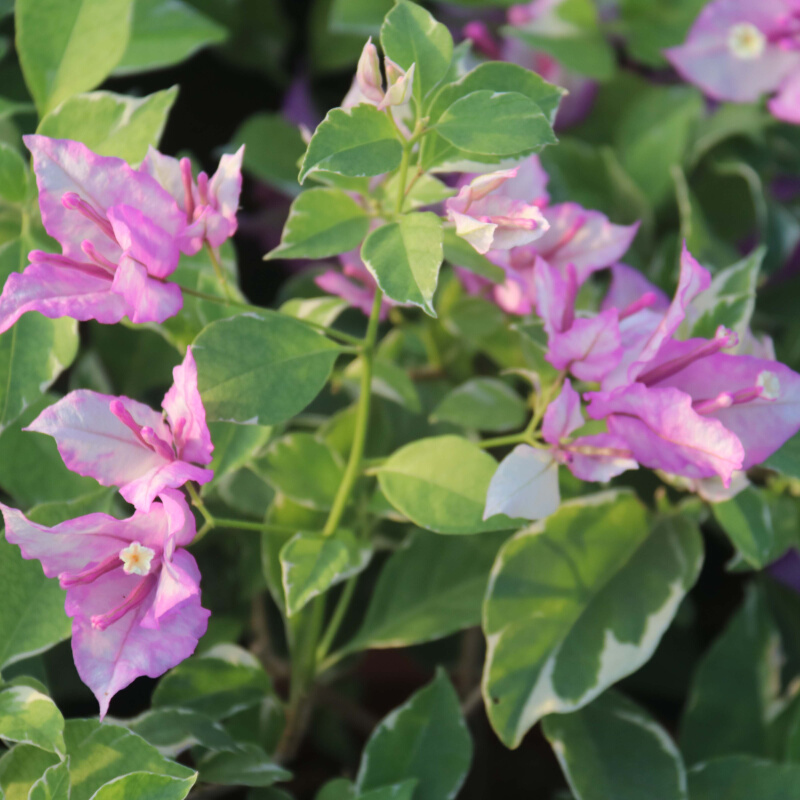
x=130 y=617
x=663 y=431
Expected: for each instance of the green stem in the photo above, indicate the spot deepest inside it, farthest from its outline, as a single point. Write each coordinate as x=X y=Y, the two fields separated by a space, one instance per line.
x=502 y=441
x=200 y=505
x=218 y=270
x=246 y=525
x=353 y=469
x=309 y=625
x=401 y=184
x=337 y=618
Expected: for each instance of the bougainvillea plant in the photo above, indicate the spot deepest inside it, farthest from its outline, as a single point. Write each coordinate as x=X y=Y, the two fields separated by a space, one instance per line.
x=483 y=482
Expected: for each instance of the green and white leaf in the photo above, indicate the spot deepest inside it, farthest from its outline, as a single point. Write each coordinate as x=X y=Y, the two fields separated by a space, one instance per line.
x=165 y=32
x=22 y=767
x=112 y=124
x=218 y=683
x=30 y=717
x=440 y=484
x=612 y=748
x=410 y=35
x=261 y=368
x=743 y=663
x=100 y=754
x=53 y=785
x=173 y=730
x=321 y=223
x=431 y=587
x=304 y=468
x=145 y=784
x=311 y=564
x=484 y=404
x=426 y=739
x=69 y=46
x=247 y=766
x=743 y=778
x=13 y=175
x=495 y=124
x=356 y=142
x=558 y=617
x=729 y=300
x=404 y=257
x=34 y=352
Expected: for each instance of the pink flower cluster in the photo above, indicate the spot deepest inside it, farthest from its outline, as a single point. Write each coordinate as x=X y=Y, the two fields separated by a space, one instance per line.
x=133 y=591
x=121 y=233
x=693 y=408
x=739 y=50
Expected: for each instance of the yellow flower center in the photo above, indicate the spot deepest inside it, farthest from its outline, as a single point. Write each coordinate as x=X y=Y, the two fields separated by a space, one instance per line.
x=746 y=41
x=136 y=559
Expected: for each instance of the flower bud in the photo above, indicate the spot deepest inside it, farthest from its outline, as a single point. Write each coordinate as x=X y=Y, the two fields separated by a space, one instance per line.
x=401 y=84
x=368 y=73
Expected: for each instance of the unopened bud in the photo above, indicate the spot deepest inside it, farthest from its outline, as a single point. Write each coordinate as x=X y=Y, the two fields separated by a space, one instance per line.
x=368 y=73
x=401 y=84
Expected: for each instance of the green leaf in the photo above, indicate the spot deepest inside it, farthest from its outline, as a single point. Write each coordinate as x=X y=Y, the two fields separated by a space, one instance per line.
x=614 y=748
x=218 y=683
x=441 y=484
x=786 y=459
x=389 y=381
x=274 y=149
x=31 y=469
x=743 y=778
x=173 y=730
x=320 y=310
x=69 y=46
x=500 y=76
x=261 y=368
x=431 y=587
x=32 y=617
x=405 y=257
x=410 y=35
x=461 y=253
x=321 y=223
x=572 y=36
x=13 y=175
x=358 y=16
x=248 y=766
x=100 y=753
x=484 y=404
x=729 y=300
x=34 y=352
x=427 y=739
x=30 y=717
x=356 y=142
x=747 y=519
x=145 y=784
x=649 y=28
x=165 y=32
x=53 y=785
x=742 y=664
x=112 y=124
x=495 y=124
x=304 y=468
x=21 y=768
x=197 y=273
x=235 y=446
x=653 y=133
x=558 y=617
x=311 y=564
